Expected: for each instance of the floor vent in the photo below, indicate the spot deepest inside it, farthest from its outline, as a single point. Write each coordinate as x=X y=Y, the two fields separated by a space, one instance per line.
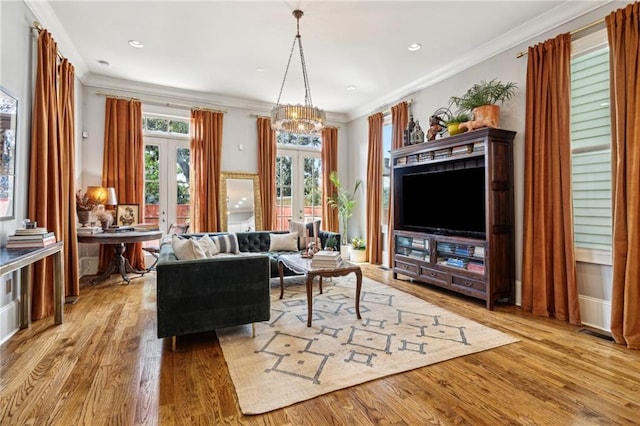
x=594 y=333
x=384 y=268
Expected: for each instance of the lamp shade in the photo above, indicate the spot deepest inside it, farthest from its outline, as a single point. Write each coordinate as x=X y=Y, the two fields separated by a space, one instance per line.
x=112 y=200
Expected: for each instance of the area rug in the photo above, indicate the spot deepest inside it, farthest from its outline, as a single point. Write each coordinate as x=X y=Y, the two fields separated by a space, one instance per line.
x=288 y=362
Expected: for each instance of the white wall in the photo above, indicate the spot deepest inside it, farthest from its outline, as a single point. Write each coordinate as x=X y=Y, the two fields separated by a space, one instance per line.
x=594 y=281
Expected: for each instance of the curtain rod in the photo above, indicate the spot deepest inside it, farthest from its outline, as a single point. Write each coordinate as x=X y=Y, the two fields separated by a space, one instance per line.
x=583 y=28
x=159 y=103
x=38 y=27
x=387 y=111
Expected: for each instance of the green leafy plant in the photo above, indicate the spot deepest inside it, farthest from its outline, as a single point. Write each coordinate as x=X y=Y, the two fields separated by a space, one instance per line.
x=485 y=93
x=357 y=243
x=460 y=117
x=343 y=200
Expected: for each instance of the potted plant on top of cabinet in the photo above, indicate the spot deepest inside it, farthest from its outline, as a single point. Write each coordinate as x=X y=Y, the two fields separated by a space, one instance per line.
x=482 y=101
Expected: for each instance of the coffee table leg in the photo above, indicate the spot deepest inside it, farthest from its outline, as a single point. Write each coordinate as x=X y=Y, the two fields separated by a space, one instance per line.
x=320 y=278
x=309 y=298
x=358 y=288
x=281 y=273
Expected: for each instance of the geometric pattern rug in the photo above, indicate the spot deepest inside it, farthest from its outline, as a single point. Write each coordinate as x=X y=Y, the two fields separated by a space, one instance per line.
x=288 y=362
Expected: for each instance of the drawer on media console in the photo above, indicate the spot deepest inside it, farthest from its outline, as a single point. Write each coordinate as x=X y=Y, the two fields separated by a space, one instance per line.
x=466 y=283
x=433 y=275
x=403 y=267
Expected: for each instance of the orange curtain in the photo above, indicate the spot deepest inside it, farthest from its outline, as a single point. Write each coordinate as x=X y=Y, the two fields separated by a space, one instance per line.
x=68 y=195
x=206 y=153
x=51 y=199
x=399 y=121
x=374 y=190
x=123 y=166
x=623 y=29
x=330 y=221
x=267 y=171
x=549 y=285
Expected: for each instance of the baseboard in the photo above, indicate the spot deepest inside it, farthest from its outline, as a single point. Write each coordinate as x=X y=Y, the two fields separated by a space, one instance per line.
x=9 y=320
x=595 y=313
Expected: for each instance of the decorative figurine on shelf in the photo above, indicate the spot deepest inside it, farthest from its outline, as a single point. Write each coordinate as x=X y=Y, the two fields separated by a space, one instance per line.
x=408 y=131
x=417 y=136
x=435 y=127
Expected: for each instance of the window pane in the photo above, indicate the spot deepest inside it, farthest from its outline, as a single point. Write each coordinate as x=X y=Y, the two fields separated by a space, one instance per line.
x=283 y=191
x=591 y=150
x=156 y=124
x=183 y=160
x=312 y=189
x=179 y=126
x=386 y=171
x=151 y=184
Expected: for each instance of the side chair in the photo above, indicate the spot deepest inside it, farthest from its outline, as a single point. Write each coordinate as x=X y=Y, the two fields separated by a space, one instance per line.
x=155 y=250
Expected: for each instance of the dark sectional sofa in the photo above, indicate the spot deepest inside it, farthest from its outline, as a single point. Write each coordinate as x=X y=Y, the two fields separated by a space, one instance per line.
x=201 y=295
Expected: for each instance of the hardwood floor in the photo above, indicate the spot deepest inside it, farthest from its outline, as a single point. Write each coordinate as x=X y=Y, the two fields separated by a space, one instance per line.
x=104 y=365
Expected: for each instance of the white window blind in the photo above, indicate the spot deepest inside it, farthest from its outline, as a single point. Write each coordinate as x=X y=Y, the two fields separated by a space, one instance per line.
x=591 y=150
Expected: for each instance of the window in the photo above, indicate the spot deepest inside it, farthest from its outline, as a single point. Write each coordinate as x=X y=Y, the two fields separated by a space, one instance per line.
x=167 y=160
x=298 y=179
x=386 y=168
x=591 y=148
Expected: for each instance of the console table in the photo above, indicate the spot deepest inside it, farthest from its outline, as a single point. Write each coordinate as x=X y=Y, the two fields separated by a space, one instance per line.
x=22 y=260
x=118 y=240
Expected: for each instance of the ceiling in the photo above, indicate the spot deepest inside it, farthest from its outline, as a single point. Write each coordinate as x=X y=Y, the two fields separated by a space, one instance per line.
x=235 y=52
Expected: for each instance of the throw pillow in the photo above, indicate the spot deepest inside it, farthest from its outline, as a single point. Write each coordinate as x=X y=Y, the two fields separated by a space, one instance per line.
x=310 y=229
x=283 y=242
x=187 y=248
x=210 y=248
x=227 y=243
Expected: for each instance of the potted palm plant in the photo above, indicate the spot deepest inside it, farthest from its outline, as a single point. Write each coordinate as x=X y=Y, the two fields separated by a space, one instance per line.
x=345 y=201
x=482 y=101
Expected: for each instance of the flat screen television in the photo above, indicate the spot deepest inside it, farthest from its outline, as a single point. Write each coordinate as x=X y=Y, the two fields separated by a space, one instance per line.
x=448 y=202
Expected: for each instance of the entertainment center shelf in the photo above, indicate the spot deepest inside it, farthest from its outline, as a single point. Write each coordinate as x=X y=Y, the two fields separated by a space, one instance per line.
x=463 y=239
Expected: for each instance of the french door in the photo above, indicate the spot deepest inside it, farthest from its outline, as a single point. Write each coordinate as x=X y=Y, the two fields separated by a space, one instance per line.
x=298 y=186
x=166 y=189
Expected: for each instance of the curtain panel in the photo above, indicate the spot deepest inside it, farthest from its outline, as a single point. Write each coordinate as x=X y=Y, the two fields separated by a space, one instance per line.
x=330 y=220
x=123 y=166
x=399 y=121
x=206 y=154
x=374 y=189
x=549 y=285
x=51 y=194
x=267 y=171
x=623 y=30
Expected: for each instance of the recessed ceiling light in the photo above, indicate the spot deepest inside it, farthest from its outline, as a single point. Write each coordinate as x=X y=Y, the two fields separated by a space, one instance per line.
x=260 y=69
x=104 y=63
x=351 y=87
x=415 y=46
x=136 y=43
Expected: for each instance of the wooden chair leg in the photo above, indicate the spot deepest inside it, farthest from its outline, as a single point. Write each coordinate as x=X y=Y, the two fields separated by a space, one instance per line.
x=253 y=329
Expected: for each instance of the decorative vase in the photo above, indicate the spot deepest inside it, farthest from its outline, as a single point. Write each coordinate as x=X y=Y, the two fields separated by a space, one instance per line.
x=454 y=129
x=84 y=217
x=357 y=255
x=106 y=220
x=417 y=136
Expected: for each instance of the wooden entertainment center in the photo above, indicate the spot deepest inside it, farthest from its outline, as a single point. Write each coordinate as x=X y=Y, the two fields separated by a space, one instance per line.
x=460 y=251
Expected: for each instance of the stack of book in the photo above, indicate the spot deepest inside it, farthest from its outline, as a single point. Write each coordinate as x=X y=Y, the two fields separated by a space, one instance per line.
x=143 y=227
x=326 y=259
x=84 y=230
x=31 y=238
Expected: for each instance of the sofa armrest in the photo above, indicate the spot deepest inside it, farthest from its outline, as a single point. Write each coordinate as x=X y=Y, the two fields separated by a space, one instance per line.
x=202 y=295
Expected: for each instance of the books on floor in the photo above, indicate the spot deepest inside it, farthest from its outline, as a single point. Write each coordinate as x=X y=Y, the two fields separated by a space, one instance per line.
x=326 y=259
x=22 y=240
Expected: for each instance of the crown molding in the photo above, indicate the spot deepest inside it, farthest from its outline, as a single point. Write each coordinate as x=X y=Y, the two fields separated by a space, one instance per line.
x=553 y=18
x=49 y=21
x=159 y=93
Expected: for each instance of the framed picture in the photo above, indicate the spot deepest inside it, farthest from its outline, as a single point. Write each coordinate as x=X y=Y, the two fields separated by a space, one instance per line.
x=127 y=214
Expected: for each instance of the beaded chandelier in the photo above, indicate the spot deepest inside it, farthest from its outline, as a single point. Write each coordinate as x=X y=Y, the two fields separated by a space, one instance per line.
x=299 y=119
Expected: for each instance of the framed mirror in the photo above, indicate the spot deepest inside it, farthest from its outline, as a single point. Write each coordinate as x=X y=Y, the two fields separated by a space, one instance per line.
x=8 y=135
x=239 y=201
